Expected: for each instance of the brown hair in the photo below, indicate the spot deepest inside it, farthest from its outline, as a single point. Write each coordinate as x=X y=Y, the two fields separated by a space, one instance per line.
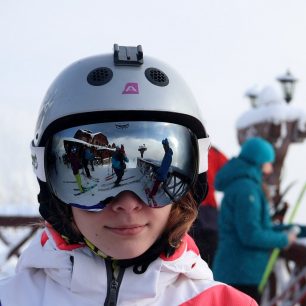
x=182 y=215
x=61 y=219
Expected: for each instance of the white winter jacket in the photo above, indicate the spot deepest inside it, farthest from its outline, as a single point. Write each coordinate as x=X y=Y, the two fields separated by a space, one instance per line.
x=51 y=273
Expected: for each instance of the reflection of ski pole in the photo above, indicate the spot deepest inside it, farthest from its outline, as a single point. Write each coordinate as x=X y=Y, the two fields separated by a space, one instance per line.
x=276 y=251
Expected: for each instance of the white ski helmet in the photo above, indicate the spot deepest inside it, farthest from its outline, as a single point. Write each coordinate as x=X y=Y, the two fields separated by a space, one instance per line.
x=121 y=87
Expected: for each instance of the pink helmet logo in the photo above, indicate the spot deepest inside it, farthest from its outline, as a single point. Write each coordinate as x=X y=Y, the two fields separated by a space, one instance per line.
x=131 y=89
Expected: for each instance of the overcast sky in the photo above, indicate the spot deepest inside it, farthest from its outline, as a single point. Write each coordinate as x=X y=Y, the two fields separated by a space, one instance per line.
x=220 y=47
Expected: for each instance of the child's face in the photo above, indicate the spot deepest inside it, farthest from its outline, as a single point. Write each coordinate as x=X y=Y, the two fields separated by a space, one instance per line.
x=125 y=229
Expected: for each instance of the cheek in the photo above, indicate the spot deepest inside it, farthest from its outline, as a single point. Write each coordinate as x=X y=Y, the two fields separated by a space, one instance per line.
x=85 y=221
x=161 y=216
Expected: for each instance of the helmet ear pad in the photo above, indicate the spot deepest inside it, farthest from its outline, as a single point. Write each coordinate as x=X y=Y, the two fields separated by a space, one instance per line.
x=200 y=188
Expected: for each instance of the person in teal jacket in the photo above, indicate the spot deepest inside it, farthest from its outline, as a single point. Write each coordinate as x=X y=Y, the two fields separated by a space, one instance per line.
x=247 y=234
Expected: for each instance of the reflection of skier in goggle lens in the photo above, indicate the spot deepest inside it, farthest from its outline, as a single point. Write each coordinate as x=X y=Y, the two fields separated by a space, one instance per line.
x=114 y=123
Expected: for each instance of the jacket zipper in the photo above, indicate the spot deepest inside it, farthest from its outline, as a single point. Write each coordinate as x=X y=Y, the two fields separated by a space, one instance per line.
x=114 y=279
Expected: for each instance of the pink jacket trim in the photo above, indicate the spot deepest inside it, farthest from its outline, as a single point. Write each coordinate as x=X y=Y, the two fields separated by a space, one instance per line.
x=221 y=295
x=60 y=242
x=191 y=246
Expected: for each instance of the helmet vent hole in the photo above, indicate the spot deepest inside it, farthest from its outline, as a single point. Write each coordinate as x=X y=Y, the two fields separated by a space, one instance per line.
x=99 y=76
x=156 y=77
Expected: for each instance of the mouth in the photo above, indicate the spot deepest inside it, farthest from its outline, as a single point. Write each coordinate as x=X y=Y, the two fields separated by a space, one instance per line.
x=127 y=230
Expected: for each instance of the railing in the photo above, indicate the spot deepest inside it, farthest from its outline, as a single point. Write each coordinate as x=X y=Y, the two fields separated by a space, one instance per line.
x=30 y=222
x=176 y=182
x=294 y=293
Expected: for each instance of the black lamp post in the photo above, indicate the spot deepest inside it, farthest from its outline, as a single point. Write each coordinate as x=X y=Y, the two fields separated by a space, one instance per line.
x=288 y=83
x=142 y=149
x=252 y=94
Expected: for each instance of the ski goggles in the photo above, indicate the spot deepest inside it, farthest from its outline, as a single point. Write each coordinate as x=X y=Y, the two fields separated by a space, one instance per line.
x=89 y=165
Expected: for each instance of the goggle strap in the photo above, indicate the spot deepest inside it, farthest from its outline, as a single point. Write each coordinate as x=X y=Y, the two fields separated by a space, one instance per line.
x=38 y=156
x=204 y=146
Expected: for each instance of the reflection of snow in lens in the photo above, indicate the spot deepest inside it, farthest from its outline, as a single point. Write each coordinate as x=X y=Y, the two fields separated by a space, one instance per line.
x=154 y=149
x=89 y=185
x=173 y=142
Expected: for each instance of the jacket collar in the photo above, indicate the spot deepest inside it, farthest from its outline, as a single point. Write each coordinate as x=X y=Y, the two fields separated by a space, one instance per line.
x=76 y=268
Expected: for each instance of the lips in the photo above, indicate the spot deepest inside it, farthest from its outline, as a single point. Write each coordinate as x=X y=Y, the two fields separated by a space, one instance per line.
x=126 y=230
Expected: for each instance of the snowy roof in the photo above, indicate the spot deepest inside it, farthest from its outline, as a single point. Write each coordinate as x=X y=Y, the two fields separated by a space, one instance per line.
x=271 y=107
x=269 y=95
x=87 y=144
x=274 y=113
x=252 y=91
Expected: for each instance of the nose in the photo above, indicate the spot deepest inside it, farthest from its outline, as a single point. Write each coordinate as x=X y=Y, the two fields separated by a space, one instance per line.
x=126 y=202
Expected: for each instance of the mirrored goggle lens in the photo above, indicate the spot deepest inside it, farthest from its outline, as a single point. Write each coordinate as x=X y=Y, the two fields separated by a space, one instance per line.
x=87 y=166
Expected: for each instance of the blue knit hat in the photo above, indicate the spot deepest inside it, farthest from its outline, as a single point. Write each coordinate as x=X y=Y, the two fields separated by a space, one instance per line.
x=257 y=151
